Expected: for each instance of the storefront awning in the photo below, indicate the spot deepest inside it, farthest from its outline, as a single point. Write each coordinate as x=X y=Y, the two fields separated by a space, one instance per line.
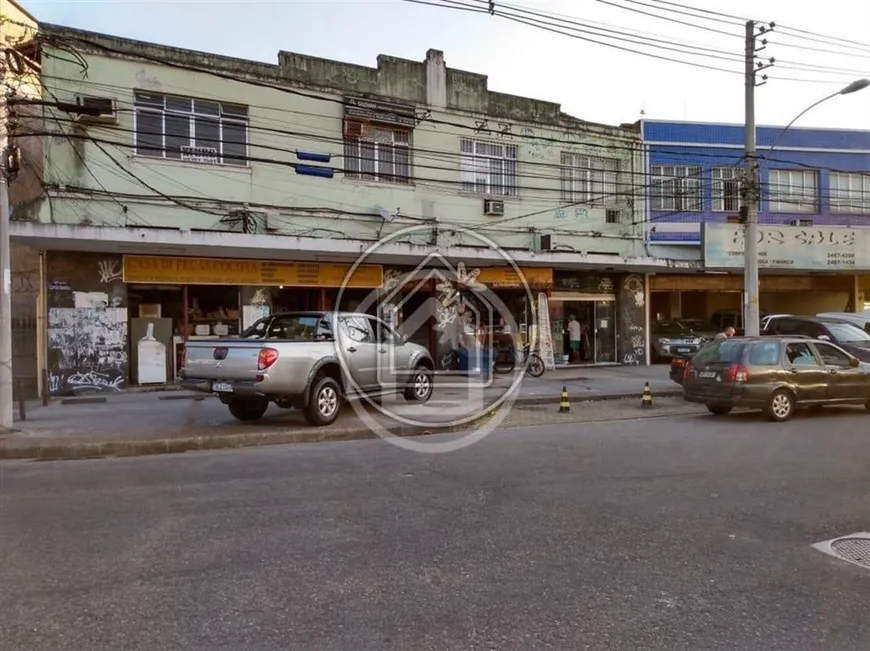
x=176 y=242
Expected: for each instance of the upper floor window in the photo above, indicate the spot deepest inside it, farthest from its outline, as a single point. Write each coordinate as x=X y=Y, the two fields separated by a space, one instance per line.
x=850 y=193
x=377 y=153
x=727 y=188
x=488 y=167
x=676 y=188
x=195 y=130
x=589 y=179
x=793 y=191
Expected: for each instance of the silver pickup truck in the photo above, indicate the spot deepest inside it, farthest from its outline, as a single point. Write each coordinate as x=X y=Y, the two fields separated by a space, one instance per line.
x=310 y=361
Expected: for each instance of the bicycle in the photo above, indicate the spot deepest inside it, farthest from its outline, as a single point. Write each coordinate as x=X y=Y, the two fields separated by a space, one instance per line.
x=505 y=361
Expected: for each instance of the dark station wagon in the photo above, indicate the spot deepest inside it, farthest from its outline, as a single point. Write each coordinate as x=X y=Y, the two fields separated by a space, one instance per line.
x=775 y=374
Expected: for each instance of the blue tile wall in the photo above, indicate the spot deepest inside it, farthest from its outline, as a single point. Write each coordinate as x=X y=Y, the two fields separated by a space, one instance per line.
x=708 y=152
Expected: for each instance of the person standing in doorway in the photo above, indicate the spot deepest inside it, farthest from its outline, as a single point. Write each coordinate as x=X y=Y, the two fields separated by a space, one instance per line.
x=575 y=336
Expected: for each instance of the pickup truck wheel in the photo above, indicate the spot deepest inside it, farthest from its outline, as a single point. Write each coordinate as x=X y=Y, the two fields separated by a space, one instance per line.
x=420 y=387
x=249 y=408
x=325 y=402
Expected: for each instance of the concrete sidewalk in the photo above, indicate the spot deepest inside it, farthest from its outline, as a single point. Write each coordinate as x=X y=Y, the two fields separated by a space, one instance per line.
x=174 y=421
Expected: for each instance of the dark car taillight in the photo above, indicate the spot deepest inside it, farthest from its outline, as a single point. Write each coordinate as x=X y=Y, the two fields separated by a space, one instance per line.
x=738 y=373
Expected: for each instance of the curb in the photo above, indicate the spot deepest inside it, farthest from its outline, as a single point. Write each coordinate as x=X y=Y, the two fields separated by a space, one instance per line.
x=598 y=397
x=105 y=449
x=54 y=451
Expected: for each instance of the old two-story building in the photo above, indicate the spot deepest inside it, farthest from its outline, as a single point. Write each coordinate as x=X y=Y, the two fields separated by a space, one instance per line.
x=18 y=31
x=814 y=214
x=191 y=193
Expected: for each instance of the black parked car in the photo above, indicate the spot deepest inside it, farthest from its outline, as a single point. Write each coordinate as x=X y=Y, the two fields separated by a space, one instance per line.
x=849 y=337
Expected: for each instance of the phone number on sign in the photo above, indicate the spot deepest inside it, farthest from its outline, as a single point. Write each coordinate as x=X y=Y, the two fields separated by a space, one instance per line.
x=846 y=259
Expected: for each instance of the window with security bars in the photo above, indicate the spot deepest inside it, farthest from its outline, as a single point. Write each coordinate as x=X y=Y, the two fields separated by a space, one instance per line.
x=727 y=188
x=793 y=191
x=378 y=153
x=191 y=130
x=850 y=193
x=488 y=168
x=676 y=188
x=589 y=179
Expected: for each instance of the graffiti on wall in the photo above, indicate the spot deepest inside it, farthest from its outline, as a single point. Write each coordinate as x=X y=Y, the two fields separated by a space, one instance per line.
x=87 y=323
x=563 y=214
x=87 y=349
x=632 y=335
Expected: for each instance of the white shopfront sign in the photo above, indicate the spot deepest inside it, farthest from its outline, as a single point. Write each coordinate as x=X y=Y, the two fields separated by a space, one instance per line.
x=827 y=248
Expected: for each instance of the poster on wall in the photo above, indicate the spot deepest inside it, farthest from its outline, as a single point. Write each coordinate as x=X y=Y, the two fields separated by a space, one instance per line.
x=544 y=334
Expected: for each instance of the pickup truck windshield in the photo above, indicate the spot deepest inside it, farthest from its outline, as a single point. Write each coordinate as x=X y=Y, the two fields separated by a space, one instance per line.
x=292 y=327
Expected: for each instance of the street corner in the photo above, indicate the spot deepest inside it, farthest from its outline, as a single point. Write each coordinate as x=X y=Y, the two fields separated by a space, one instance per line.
x=448 y=297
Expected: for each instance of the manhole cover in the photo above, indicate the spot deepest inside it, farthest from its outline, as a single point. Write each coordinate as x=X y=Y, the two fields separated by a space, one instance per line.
x=854 y=548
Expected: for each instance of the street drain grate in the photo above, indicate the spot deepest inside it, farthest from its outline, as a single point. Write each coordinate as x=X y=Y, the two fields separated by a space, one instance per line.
x=854 y=548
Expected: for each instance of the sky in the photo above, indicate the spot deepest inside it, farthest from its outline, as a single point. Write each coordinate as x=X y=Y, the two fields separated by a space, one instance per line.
x=590 y=80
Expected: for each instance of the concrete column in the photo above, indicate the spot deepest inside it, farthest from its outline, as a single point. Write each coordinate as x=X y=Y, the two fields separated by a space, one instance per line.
x=436 y=79
x=675 y=307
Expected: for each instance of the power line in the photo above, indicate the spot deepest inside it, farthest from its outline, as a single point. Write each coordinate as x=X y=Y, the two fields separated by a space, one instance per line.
x=697 y=50
x=528 y=17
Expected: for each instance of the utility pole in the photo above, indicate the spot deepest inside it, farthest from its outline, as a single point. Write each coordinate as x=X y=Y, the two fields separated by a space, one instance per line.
x=6 y=410
x=751 y=313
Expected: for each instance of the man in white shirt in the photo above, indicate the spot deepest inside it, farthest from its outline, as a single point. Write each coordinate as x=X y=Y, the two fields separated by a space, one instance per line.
x=574 y=338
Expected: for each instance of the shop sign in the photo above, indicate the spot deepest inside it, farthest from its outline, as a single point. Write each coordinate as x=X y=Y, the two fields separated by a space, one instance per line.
x=160 y=270
x=830 y=248
x=508 y=278
x=379 y=111
x=587 y=283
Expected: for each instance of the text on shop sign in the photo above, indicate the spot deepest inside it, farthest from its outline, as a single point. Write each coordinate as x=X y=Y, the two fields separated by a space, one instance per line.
x=789 y=247
x=215 y=271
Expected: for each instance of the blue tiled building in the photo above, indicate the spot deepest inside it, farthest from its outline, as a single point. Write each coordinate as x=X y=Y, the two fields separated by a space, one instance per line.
x=810 y=177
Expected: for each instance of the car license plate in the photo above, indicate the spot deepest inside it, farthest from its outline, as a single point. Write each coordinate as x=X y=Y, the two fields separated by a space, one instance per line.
x=684 y=350
x=222 y=387
x=707 y=374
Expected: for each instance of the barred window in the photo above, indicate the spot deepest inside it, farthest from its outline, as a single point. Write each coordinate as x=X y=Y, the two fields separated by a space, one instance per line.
x=488 y=168
x=377 y=153
x=676 y=188
x=192 y=130
x=589 y=179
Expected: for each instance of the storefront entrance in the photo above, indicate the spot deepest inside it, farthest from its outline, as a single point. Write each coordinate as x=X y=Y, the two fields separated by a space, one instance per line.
x=597 y=318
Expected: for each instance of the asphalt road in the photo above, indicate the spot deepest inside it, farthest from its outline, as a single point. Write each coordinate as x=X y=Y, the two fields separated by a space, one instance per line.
x=692 y=533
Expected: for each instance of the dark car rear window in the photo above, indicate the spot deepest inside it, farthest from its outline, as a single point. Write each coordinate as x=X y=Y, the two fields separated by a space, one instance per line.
x=725 y=352
x=764 y=354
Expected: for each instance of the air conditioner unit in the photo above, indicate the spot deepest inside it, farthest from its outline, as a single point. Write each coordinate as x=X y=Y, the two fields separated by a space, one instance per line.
x=105 y=105
x=547 y=242
x=355 y=129
x=803 y=223
x=493 y=207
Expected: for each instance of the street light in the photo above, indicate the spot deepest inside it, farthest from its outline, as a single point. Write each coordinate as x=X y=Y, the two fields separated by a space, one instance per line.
x=752 y=316
x=854 y=87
